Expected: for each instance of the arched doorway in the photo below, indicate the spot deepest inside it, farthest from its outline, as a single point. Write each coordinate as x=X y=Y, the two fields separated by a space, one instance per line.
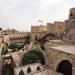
x=36 y=38
x=65 y=67
x=21 y=72
x=38 y=68
x=28 y=70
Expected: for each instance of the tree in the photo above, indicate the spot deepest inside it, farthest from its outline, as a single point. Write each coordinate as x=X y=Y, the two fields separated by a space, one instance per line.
x=33 y=56
x=7 y=69
x=13 y=46
x=40 y=55
x=3 y=70
x=29 y=58
x=4 y=50
x=27 y=41
x=12 y=69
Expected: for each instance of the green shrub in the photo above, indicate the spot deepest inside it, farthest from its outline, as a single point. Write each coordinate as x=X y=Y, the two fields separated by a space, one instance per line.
x=29 y=58
x=13 y=46
x=33 y=56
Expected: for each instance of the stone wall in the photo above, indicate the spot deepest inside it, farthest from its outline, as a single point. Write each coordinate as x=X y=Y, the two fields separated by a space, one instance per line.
x=70 y=26
x=56 y=28
x=41 y=28
x=55 y=57
x=50 y=28
x=6 y=39
x=37 y=35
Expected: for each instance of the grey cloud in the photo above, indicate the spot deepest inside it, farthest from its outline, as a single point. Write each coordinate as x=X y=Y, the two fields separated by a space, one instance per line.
x=21 y=14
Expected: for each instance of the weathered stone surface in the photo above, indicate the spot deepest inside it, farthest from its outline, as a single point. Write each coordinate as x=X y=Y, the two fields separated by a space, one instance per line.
x=56 y=54
x=70 y=26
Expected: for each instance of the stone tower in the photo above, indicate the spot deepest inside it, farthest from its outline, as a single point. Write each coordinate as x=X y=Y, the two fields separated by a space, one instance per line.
x=70 y=25
x=72 y=13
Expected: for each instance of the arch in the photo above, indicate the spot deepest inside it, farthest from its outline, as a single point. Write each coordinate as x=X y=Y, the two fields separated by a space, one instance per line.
x=38 y=68
x=20 y=37
x=24 y=37
x=21 y=72
x=50 y=36
x=13 y=38
x=28 y=70
x=36 y=38
x=65 y=67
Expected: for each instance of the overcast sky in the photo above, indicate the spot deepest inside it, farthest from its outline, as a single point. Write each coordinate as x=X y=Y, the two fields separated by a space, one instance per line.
x=21 y=14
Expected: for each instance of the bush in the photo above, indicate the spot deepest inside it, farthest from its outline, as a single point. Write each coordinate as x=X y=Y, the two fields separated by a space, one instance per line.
x=13 y=46
x=29 y=58
x=4 y=50
x=7 y=69
x=33 y=56
x=40 y=55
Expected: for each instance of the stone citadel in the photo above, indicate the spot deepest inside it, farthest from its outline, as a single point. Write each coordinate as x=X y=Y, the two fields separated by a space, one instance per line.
x=59 y=48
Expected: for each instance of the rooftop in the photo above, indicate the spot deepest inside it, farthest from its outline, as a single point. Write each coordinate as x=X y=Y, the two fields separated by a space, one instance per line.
x=65 y=48
x=33 y=68
x=42 y=71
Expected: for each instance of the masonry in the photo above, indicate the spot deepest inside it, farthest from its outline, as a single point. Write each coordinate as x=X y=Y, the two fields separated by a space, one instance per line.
x=63 y=53
x=57 y=27
x=38 y=32
x=70 y=26
x=56 y=54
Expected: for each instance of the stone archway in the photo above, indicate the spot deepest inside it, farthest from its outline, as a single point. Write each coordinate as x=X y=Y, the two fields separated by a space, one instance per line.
x=28 y=70
x=65 y=67
x=21 y=72
x=36 y=38
x=38 y=68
